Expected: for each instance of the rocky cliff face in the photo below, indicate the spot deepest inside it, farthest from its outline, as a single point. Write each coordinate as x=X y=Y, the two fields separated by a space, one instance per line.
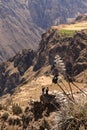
x=17 y=32
x=11 y=72
x=47 y=12
x=72 y=49
x=21 y=21
x=51 y=12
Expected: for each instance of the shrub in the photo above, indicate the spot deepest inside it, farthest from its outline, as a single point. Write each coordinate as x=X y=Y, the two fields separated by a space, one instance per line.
x=45 y=125
x=77 y=117
x=5 y=116
x=16 y=109
x=79 y=111
x=14 y=120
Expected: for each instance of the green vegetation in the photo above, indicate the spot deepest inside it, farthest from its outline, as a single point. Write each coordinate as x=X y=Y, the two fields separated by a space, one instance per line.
x=76 y=118
x=67 y=33
x=5 y=116
x=16 y=109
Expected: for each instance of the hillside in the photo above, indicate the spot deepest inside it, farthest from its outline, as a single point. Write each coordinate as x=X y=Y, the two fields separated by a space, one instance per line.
x=53 y=12
x=17 y=32
x=71 y=48
x=22 y=104
x=22 y=22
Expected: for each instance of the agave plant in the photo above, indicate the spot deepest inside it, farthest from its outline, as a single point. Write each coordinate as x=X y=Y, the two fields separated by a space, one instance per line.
x=60 y=68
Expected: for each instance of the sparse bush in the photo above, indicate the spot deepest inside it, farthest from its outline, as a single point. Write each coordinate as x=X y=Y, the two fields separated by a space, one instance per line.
x=78 y=110
x=38 y=109
x=5 y=116
x=10 y=121
x=16 y=109
x=45 y=125
x=14 y=120
x=26 y=118
x=26 y=110
x=76 y=117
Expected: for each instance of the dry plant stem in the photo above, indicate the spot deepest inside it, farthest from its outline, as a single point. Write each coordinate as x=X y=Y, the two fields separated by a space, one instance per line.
x=79 y=88
x=65 y=87
x=65 y=93
x=71 y=90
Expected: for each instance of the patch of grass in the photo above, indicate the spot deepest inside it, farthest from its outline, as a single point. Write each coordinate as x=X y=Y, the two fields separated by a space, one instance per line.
x=67 y=33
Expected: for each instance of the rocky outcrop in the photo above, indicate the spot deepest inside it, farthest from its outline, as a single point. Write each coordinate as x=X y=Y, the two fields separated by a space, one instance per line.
x=70 y=49
x=11 y=71
x=81 y=18
x=24 y=60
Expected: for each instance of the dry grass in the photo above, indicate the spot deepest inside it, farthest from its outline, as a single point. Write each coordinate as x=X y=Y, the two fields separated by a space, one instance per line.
x=33 y=89
x=77 y=116
x=75 y=26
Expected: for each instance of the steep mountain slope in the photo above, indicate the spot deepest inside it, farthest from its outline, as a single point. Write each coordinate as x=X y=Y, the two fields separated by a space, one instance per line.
x=51 y=12
x=22 y=78
x=70 y=48
x=16 y=31
x=27 y=64
x=21 y=21
x=11 y=72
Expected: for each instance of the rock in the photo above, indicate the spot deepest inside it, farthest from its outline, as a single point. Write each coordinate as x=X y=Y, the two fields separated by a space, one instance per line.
x=24 y=60
x=17 y=29
x=70 y=49
x=11 y=71
x=47 y=98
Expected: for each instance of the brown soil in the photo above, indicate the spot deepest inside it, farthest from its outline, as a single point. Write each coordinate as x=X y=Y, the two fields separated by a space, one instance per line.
x=33 y=89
